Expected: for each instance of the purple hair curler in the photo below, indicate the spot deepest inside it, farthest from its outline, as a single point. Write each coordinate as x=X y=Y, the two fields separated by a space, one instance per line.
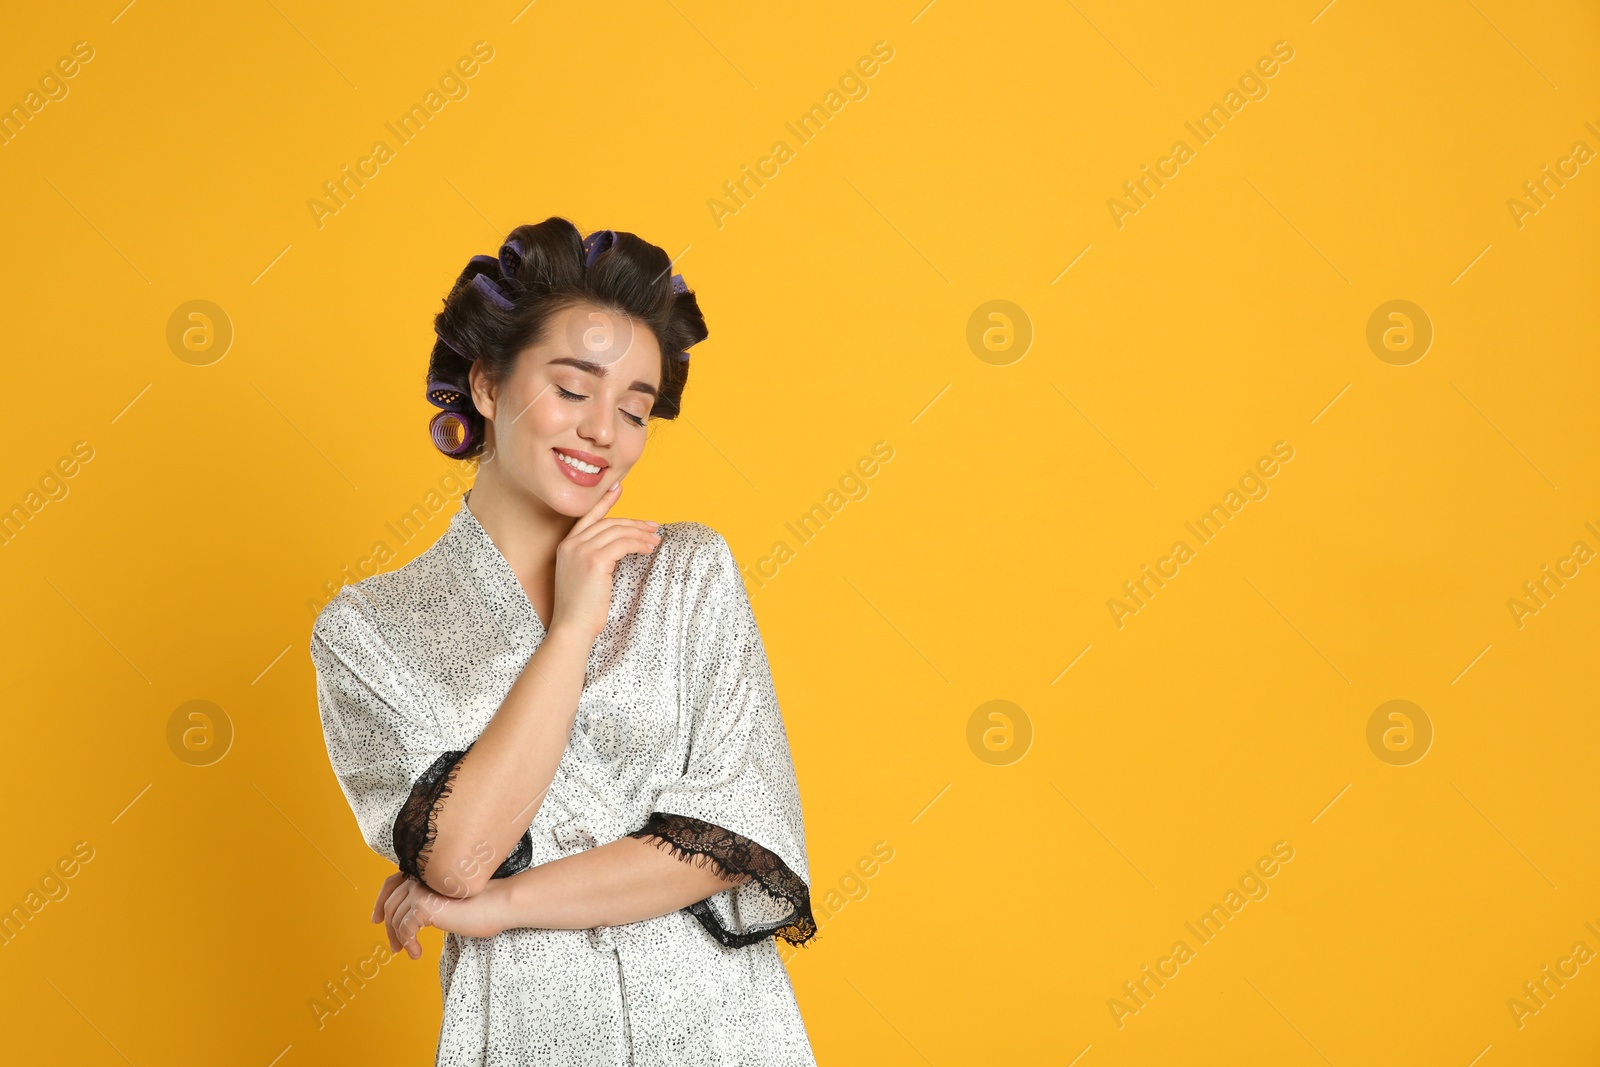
x=492 y=275
x=491 y=289
x=451 y=433
x=512 y=253
x=449 y=397
x=596 y=243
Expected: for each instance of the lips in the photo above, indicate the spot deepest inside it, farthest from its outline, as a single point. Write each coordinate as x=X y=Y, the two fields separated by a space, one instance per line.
x=588 y=457
x=586 y=479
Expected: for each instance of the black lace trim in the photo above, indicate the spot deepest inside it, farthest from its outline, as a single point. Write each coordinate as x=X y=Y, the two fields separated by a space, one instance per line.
x=416 y=825
x=730 y=855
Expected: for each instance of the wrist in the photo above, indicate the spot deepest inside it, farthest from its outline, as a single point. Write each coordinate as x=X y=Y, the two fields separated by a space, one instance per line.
x=497 y=904
x=567 y=633
x=511 y=905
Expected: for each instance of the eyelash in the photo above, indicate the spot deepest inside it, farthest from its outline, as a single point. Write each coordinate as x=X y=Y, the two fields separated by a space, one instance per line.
x=568 y=395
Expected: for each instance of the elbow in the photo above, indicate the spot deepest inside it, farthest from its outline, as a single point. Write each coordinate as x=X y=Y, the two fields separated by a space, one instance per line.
x=454 y=886
x=455 y=874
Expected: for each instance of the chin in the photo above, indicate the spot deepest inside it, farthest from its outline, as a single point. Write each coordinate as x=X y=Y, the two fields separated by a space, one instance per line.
x=572 y=500
x=568 y=498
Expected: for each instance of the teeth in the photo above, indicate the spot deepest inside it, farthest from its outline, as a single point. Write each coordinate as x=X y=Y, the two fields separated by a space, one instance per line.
x=587 y=468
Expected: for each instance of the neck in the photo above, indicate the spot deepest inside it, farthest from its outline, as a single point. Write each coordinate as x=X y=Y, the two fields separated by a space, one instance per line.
x=523 y=527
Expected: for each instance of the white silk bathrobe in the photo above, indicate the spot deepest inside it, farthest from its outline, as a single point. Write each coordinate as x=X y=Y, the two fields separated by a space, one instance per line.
x=677 y=738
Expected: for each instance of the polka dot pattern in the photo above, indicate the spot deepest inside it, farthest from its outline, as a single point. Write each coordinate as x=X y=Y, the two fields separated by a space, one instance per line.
x=677 y=737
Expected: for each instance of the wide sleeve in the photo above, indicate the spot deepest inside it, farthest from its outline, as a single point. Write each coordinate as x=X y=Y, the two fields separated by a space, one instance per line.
x=392 y=756
x=737 y=804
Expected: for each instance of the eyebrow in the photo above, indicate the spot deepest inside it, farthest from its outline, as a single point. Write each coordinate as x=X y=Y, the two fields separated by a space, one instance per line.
x=599 y=370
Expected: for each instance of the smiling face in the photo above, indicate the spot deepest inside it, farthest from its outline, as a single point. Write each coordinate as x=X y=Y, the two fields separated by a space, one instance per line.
x=583 y=393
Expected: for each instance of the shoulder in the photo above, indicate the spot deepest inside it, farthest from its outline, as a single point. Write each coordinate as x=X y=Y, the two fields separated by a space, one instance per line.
x=361 y=610
x=690 y=536
x=700 y=561
x=346 y=632
x=695 y=548
x=343 y=616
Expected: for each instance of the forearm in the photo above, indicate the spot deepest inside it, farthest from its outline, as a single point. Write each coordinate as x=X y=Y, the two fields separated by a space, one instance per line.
x=501 y=781
x=628 y=880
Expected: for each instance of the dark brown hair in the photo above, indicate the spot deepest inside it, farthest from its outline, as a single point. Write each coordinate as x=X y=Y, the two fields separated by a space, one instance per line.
x=541 y=271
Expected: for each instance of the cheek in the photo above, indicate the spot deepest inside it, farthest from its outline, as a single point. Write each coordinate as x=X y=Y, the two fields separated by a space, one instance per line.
x=527 y=425
x=542 y=414
x=630 y=451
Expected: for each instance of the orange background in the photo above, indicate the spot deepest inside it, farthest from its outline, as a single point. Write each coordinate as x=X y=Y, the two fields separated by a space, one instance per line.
x=1039 y=860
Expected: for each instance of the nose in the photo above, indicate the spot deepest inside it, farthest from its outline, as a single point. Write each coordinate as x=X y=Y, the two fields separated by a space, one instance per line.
x=595 y=426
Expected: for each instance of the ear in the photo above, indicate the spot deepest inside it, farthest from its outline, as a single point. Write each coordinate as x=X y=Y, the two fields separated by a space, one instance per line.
x=483 y=391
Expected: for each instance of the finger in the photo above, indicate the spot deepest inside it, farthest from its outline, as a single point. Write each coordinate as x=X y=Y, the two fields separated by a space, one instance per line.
x=604 y=530
x=391 y=909
x=617 y=520
x=411 y=923
x=419 y=910
x=396 y=897
x=601 y=506
x=388 y=887
x=612 y=543
x=427 y=904
x=388 y=931
x=578 y=543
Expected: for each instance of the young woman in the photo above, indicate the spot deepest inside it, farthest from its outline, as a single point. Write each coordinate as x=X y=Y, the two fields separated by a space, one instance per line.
x=560 y=725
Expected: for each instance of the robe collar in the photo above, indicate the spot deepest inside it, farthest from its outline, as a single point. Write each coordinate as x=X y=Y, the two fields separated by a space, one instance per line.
x=472 y=551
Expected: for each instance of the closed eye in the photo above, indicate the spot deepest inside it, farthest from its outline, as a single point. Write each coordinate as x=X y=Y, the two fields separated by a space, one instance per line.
x=567 y=394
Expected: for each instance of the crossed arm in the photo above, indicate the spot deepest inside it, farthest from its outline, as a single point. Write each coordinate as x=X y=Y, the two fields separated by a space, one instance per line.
x=486 y=800
x=628 y=880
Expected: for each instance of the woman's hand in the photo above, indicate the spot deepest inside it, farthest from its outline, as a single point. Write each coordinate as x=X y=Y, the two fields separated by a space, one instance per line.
x=586 y=560
x=405 y=906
